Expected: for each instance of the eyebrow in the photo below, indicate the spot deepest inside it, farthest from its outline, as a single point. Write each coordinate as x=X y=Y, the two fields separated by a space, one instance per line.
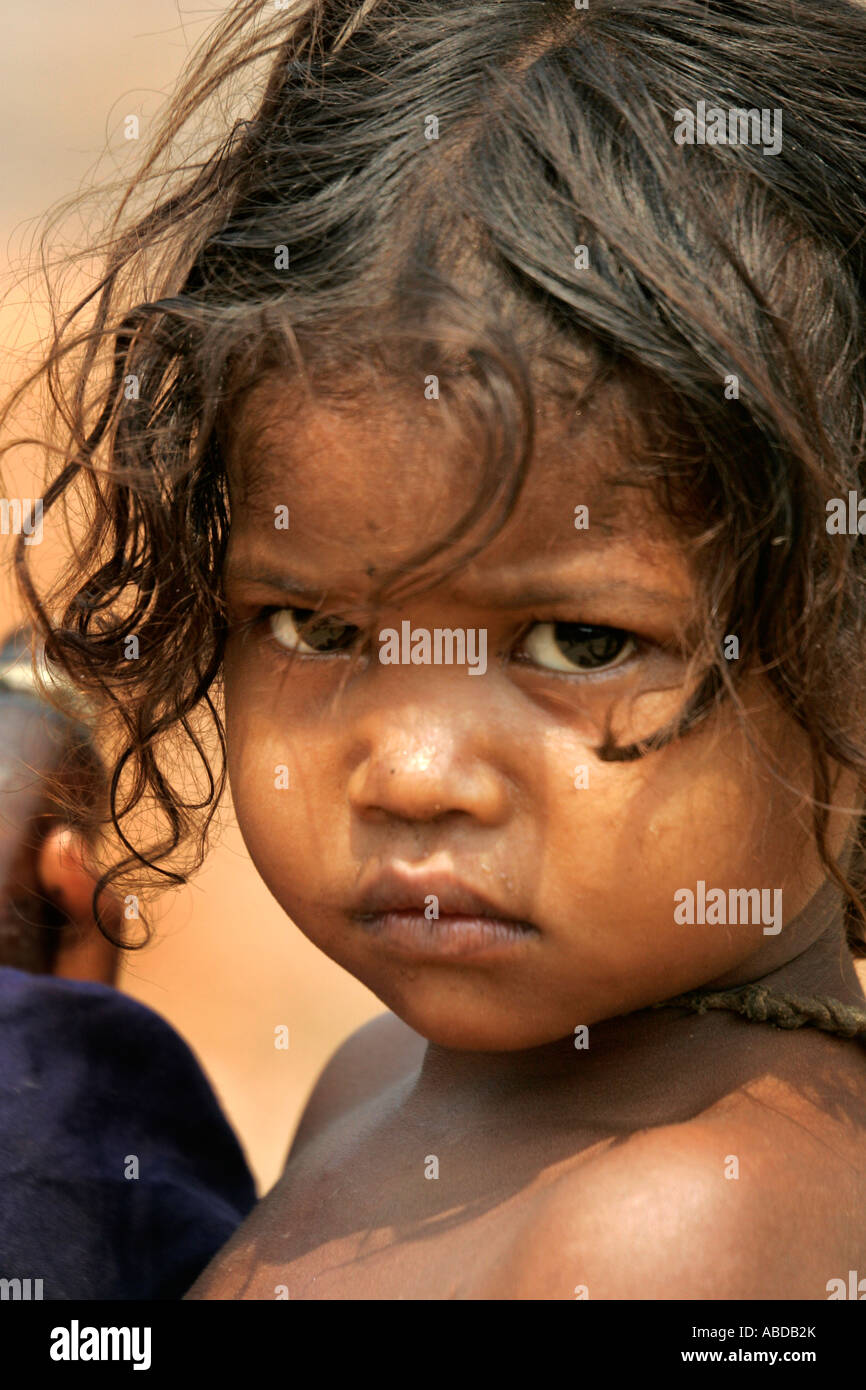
x=272 y=579
x=514 y=596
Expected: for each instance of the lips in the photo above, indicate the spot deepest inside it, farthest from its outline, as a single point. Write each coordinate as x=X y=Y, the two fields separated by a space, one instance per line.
x=394 y=911
x=402 y=890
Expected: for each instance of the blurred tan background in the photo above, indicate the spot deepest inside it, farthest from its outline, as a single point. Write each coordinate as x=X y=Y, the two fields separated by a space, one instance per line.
x=227 y=965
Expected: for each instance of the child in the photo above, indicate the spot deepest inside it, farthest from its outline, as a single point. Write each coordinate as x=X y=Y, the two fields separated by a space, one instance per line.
x=119 y=1175
x=488 y=436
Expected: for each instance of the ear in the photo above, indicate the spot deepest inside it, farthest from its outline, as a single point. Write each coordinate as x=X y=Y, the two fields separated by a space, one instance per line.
x=65 y=878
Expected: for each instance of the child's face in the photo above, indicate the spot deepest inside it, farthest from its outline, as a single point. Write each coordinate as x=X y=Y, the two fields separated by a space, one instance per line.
x=486 y=778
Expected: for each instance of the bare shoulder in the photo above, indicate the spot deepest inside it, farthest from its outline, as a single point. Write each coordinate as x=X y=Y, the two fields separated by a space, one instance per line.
x=372 y=1058
x=762 y=1196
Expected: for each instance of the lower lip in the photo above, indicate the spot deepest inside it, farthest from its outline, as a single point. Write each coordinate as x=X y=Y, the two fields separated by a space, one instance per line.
x=411 y=934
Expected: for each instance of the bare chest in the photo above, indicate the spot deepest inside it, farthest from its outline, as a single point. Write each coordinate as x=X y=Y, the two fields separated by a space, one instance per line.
x=390 y=1204
x=392 y=1218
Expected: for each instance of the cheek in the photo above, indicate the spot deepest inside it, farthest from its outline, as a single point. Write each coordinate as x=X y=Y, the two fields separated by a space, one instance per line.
x=619 y=849
x=269 y=763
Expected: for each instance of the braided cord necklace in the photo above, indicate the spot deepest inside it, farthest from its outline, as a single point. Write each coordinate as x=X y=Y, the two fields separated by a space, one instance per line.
x=761 y=1005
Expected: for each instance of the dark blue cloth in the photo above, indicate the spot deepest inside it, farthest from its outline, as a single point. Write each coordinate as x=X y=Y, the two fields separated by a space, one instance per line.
x=89 y=1081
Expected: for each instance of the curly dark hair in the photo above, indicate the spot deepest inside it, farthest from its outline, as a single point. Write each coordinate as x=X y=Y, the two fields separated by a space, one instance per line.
x=406 y=190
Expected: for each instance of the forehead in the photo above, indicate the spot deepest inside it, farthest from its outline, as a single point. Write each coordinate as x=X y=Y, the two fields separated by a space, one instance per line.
x=377 y=478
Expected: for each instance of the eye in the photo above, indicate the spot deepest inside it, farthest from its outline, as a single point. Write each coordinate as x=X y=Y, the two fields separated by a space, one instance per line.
x=577 y=646
x=300 y=630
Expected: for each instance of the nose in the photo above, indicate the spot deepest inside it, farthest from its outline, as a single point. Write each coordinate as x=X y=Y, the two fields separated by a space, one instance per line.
x=416 y=765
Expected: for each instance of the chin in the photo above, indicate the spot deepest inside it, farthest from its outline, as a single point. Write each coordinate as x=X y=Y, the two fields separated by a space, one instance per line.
x=444 y=1022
